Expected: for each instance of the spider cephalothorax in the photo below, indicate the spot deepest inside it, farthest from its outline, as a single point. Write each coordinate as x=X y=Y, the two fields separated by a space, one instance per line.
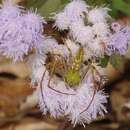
x=73 y=75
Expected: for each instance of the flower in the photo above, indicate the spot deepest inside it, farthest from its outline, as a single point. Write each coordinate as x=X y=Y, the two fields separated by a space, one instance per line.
x=97 y=47
x=9 y=11
x=88 y=54
x=11 y=44
x=126 y=32
x=67 y=76
x=62 y=21
x=33 y=29
x=98 y=15
x=101 y=30
x=116 y=26
x=81 y=33
x=20 y=33
x=75 y=10
x=33 y=21
x=118 y=42
x=80 y=108
x=80 y=103
x=36 y=65
x=51 y=45
x=72 y=46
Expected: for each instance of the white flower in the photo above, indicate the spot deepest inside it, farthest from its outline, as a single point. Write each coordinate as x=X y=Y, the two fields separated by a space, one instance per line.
x=82 y=107
x=33 y=21
x=9 y=11
x=55 y=102
x=51 y=45
x=72 y=46
x=14 y=51
x=116 y=26
x=88 y=53
x=101 y=29
x=81 y=103
x=78 y=114
x=36 y=65
x=75 y=10
x=32 y=29
x=62 y=21
x=97 y=15
x=72 y=13
x=12 y=44
x=97 y=47
x=20 y=33
x=81 y=33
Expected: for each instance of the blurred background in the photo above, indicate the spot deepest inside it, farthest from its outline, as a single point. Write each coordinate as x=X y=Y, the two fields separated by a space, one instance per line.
x=18 y=101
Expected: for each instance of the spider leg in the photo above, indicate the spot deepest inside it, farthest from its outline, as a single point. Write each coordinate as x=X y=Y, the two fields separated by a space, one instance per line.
x=102 y=78
x=89 y=103
x=95 y=89
x=49 y=86
x=70 y=52
x=87 y=69
x=49 y=82
x=41 y=88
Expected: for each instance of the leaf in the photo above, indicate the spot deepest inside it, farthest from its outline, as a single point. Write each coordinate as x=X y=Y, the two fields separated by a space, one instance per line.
x=45 y=7
x=35 y=3
x=65 y=1
x=97 y=2
x=117 y=62
x=121 y=5
x=50 y=6
x=104 y=61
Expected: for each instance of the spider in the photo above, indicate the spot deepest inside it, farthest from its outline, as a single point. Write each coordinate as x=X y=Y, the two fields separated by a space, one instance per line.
x=66 y=69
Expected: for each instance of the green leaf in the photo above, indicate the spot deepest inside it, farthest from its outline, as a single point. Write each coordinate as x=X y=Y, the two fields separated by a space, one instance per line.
x=97 y=2
x=121 y=5
x=50 y=6
x=45 y=7
x=117 y=62
x=104 y=61
x=65 y=1
x=35 y=3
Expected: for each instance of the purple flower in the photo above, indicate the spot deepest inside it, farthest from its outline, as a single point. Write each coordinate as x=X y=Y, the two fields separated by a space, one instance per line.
x=19 y=32
x=126 y=32
x=118 y=42
x=116 y=26
x=9 y=10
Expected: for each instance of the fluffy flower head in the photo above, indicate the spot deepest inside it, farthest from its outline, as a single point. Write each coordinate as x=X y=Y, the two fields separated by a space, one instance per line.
x=33 y=21
x=82 y=34
x=9 y=10
x=75 y=10
x=20 y=32
x=98 y=15
x=62 y=21
x=118 y=42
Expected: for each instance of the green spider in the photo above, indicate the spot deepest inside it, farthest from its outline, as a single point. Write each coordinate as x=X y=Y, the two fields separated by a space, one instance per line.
x=66 y=69
x=69 y=70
